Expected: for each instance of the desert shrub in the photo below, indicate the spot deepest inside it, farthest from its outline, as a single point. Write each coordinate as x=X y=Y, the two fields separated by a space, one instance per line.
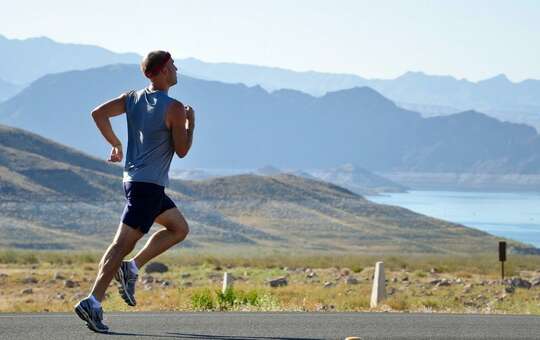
x=431 y=303
x=230 y=299
x=420 y=273
x=398 y=302
x=202 y=300
x=225 y=300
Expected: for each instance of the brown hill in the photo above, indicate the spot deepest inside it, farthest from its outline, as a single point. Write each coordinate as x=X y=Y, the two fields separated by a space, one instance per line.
x=54 y=197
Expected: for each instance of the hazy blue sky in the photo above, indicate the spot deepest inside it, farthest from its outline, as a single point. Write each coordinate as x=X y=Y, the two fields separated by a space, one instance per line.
x=382 y=39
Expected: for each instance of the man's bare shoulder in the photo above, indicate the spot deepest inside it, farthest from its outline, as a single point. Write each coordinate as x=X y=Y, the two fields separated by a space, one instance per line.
x=175 y=107
x=176 y=113
x=176 y=102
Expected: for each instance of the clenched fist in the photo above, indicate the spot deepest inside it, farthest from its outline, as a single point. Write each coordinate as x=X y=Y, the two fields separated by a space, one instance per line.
x=116 y=154
x=190 y=115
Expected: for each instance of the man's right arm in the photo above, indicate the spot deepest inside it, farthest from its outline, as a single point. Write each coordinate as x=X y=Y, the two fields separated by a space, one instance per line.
x=102 y=115
x=176 y=122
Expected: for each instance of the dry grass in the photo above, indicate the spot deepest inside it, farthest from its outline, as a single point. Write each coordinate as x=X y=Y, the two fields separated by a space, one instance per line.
x=195 y=282
x=485 y=264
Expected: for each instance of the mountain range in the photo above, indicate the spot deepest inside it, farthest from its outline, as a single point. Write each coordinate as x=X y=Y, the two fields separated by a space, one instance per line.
x=25 y=60
x=55 y=197
x=428 y=94
x=8 y=89
x=285 y=128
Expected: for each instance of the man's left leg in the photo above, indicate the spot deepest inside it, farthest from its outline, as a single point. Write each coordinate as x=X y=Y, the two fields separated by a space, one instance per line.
x=175 y=231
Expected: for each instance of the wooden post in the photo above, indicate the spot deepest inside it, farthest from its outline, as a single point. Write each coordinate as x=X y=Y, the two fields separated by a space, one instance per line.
x=502 y=256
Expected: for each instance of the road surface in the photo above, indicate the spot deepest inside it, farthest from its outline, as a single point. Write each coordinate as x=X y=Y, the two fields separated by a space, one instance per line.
x=268 y=326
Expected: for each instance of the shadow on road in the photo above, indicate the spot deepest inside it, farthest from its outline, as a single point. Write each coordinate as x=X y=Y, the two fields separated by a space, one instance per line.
x=154 y=336
x=206 y=336
x=233 y=337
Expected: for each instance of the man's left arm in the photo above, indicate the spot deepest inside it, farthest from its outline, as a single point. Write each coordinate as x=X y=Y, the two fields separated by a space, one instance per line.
x=102 y=115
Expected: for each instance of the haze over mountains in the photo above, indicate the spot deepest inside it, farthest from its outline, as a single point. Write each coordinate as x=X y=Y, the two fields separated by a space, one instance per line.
x=430 y=95
x=247 y=127
x=8 y=89
x=25 y=60
x=54 y=197
x=358 y=180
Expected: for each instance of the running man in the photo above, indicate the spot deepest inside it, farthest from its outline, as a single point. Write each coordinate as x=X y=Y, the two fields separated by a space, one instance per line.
x=158 y=127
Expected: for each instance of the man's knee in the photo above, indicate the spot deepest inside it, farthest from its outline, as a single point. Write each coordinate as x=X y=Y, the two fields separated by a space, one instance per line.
x=180 y=231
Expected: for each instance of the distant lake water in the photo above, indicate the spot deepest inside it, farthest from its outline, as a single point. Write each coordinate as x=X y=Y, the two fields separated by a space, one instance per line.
x=511 y=215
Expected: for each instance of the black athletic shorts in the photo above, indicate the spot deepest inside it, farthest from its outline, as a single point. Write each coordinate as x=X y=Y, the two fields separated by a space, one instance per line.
x=145 y=202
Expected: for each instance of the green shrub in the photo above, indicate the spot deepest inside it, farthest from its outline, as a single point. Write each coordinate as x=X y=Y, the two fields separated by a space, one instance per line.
x=230 y=299
x=251 y=297
x=225 y=300
x=202 y=300
x=431 y=303
x=356 y=268
x=420 y=273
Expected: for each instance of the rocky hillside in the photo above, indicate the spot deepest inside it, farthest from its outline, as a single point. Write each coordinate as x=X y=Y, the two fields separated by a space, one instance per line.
x=55 y=197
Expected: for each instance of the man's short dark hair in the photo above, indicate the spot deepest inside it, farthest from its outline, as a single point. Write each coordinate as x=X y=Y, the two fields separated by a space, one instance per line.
x=153 y=62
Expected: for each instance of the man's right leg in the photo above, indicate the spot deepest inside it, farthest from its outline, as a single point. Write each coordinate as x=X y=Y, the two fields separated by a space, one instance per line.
x=123 y=243
x=89 y=309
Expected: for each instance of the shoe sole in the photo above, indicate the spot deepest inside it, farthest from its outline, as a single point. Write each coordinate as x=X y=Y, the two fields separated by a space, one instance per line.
x=119 y=276
x=81 y=313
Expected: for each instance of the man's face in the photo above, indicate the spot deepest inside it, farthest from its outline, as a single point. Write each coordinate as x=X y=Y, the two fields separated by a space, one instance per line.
x=171 y=72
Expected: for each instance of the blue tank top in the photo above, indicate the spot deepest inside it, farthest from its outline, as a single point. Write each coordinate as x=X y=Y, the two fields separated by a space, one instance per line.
x=150 y=146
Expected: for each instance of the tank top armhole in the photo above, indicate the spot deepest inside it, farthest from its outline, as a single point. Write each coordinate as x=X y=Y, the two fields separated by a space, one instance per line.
x=129 y=101
x=166 y=111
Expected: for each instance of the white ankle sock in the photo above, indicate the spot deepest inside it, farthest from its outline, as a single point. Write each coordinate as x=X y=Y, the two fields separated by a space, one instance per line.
x=133 y=267
x=93 y=301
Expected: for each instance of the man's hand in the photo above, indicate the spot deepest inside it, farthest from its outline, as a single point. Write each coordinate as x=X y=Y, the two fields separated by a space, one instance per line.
x=190 y=116
x=116 y=154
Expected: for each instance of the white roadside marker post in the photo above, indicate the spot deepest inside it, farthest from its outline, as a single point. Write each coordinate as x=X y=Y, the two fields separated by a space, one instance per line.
x=227 y=282
x=378 y=293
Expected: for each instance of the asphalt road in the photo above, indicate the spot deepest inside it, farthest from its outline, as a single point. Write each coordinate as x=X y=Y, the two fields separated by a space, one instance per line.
x=267 y=326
